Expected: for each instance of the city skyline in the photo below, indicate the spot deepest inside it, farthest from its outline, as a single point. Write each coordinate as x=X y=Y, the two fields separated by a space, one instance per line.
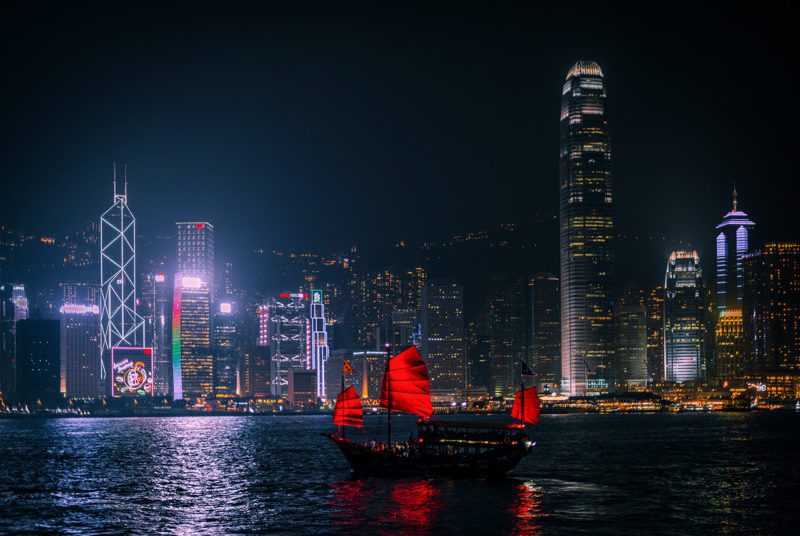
x=224 y=166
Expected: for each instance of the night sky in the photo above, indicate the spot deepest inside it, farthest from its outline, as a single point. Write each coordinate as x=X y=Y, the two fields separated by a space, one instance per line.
x=321 y=125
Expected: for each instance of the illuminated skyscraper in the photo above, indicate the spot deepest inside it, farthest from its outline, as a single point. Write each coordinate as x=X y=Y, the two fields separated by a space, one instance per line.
x=192 y=362
x=443 y=338
x=772 y=308
x=196 y=251
x=290 y=338
x=545 y=329
x=655 y=335
x=80 y=350
x=226 y=345
x=13 y=308
x=163 y=290
x=319 y=342
x=587 y=230
x=684 y=328
x=732 y=243
x=121 y=325
x=730 y=344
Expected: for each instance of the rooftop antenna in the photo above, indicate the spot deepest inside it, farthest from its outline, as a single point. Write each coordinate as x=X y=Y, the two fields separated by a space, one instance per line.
x=734 y=197
x=114 y=164
x=126 y=181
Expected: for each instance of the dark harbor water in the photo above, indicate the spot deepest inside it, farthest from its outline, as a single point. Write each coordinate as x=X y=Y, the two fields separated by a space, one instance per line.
x=598 y=474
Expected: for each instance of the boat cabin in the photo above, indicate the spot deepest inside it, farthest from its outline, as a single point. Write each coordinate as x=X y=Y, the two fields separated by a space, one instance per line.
x=450 y=437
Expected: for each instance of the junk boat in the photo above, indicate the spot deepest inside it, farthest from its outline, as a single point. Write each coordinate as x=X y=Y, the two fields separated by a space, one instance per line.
x=445 y=448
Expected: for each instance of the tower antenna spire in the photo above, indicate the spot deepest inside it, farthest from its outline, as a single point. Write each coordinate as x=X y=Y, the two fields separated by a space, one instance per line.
x=114 y=164
x=125 y=191
x=734 y=197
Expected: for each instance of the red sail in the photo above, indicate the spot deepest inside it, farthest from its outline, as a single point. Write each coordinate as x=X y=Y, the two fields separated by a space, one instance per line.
x=348 y=411
x=410 y=386
x=526 y=406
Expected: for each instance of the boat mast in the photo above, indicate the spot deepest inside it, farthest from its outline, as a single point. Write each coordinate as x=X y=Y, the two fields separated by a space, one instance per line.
x=389 y=394
x=341 y=427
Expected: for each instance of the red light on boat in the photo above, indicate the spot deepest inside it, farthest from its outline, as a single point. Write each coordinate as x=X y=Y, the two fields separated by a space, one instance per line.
x=421 y=440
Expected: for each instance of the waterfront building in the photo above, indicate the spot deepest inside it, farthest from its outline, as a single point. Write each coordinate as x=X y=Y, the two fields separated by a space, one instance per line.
x=80 y=350
x=586 y=232
x=226 y=346
x=318 y=344
x=301 y=388
x=38 y=361
x=684 y=328
x=771 y=308
x=13 y=308
x=290 y=338
x=631 y=357
x=405 y=328
x=121 y=324
x=163 y=289
x=655 y=334
x=443 y=337
x=544 y=347
x=729 y=334
x=733 y=241
x=507 y=333
x=479 y=352
x=192 y=361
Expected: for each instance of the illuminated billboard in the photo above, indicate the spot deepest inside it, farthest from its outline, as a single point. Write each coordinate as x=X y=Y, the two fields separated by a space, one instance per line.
x=132 y=371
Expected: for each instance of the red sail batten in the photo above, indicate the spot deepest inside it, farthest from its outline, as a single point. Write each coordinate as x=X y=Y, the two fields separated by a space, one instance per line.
x=526 y=406
x=410 y=385
x=348 y=410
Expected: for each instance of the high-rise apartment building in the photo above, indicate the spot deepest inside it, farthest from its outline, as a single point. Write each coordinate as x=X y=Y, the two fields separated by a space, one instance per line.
x=443 y=337
x=684 y=323
x=163 y=290
x=13 y=308
x=80 y=350
x=772 y=308
x=586 y=231
x=544 y=347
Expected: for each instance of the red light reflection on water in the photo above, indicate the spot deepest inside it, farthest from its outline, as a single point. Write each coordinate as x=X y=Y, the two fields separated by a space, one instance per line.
x=350 y=500
x=413 y=504
x=526 y=510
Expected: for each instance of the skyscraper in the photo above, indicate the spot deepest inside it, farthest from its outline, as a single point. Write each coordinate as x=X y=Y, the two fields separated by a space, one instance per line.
x=163 y=290
x=80 y=350
x=772 y=308
x=545 y=329
x=732 y=243
x=684 y=327
x=225 y=350
x=729 y=334
x=586 y=230
x=319 y=348
x=196 y=251
x=121 y=325
x=290 y=337
x=443 y=338
x=631 y=359
x=13 y=308
x=38 y=361
x=507 y=333
x=192 y=362
x=655 y=334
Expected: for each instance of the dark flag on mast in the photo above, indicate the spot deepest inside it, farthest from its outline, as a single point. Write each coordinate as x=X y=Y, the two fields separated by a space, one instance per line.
x=526 y=371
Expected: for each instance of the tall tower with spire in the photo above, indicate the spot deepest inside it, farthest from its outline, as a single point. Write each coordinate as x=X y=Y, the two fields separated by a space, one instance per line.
x=733 y=241
x=121 y=325
x=587 y=233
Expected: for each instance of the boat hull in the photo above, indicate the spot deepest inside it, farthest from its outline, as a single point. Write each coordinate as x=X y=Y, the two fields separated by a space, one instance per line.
x=494 y=463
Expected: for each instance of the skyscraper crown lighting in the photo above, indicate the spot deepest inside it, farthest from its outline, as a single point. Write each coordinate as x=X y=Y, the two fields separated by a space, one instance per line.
x=584 y=67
